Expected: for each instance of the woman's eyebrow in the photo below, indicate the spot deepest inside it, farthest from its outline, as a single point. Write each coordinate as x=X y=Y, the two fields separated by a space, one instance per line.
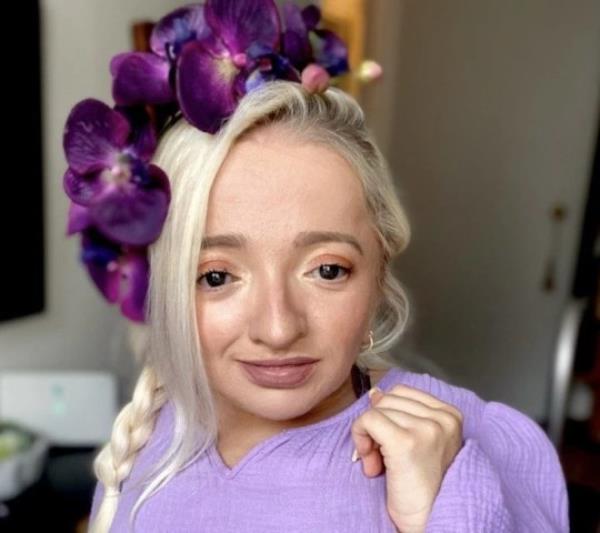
x=305 y=238
x=228 y=240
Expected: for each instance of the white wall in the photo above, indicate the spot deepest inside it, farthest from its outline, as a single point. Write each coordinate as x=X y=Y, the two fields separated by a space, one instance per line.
x=494 y=108
x=77 y=330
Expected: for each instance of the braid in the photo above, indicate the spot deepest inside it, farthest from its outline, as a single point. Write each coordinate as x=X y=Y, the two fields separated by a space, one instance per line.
x=131 y=430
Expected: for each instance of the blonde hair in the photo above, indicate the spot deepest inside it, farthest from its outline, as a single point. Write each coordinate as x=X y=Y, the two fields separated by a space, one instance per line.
x=174 y=368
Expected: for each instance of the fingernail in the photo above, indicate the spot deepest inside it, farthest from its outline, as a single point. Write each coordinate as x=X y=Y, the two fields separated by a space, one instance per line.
x=355 y=455
x=372 y=391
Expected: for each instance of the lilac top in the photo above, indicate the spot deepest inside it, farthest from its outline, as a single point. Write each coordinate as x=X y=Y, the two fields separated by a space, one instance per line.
x=505 y=478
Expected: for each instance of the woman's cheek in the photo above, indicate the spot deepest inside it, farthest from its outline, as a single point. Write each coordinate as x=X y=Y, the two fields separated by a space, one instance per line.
x=219 y=320
x=344 y=319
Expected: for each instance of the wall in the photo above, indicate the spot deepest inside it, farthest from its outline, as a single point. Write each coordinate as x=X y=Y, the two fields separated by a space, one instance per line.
x=77 y=330
x=494 y=109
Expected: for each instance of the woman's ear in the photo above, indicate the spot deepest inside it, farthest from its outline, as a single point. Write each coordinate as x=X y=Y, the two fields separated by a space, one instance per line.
x=365 y=340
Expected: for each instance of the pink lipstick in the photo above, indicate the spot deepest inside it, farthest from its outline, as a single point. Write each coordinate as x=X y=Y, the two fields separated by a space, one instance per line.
x=278 y=375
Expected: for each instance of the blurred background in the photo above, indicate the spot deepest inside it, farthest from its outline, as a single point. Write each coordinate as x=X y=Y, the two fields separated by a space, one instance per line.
x=488 y=112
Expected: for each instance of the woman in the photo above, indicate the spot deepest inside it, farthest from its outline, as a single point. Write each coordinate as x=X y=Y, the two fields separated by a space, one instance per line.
x=271 y=310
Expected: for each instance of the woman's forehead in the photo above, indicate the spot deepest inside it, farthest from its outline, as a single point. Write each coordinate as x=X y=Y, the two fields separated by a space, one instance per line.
x=277 y=194
x=270 y=175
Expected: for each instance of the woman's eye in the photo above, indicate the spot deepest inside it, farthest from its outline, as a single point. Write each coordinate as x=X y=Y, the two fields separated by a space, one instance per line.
x=332 y=271
x=213 y=278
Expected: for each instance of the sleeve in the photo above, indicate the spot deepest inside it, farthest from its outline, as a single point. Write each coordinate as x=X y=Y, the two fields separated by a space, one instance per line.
x=506 y=478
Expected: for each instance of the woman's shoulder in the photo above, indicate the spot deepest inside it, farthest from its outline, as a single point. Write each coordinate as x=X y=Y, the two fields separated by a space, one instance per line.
x=486 y=420
x=507 y=468
x=466 y=401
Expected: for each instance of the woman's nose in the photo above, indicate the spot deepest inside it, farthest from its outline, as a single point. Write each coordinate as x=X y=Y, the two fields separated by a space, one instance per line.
x=277 y=317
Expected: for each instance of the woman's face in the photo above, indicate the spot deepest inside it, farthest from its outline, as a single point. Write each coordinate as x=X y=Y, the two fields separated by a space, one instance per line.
x=293 y=264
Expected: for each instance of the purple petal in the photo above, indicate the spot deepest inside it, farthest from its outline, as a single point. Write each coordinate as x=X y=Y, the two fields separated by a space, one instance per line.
x=144 y=144
x=330 y=51
x=157 y=179
x=121 y=275
x=131 y=214
x=106 y=282
x=239 y=23
x=102 y=261
x=78 y=219
x=312 y=16
x=295 y=41
x=257 y=51
x=93 y=135
x=177 y=28
x=205 y=87
x=297 y=49
x=140 y=78
x=134 y=285
x=82 y=189
x=269 y=68
x=143 y=141
x=257 y=78
x=293 y=19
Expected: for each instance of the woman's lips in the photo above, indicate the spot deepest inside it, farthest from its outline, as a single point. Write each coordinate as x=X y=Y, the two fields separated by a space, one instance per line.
x=281 y=377
x=282 y=362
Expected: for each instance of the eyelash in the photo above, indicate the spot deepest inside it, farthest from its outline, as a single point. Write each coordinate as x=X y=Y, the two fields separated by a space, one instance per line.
x=346 y=270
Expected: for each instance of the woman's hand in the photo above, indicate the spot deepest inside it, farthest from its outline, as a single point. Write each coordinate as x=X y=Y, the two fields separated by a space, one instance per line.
x=412 y=437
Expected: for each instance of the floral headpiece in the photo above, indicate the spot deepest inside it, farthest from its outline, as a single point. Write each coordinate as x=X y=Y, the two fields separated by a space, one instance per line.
x=204 y=58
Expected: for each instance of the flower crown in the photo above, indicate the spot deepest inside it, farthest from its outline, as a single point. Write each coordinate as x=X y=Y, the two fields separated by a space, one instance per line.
x=204 y=58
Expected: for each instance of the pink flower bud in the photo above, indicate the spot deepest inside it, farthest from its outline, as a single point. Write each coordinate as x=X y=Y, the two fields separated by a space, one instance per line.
x=315 y=78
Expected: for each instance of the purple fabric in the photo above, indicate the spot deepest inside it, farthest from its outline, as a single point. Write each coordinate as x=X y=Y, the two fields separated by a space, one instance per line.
x=506 y=478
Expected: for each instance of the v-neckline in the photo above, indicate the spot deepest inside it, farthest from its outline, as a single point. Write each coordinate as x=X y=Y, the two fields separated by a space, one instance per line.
x=264 y=446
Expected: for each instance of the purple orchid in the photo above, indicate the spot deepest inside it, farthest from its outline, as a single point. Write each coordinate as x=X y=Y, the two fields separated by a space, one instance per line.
x=304 y=43
x=147 y=77
x=205 y=57
x=212 y=73
x=177 y=28
x=119 y=272
x=201 y=57
x=127 y=198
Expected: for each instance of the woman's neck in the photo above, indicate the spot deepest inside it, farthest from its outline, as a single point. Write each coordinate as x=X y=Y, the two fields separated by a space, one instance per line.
x=244 y=430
